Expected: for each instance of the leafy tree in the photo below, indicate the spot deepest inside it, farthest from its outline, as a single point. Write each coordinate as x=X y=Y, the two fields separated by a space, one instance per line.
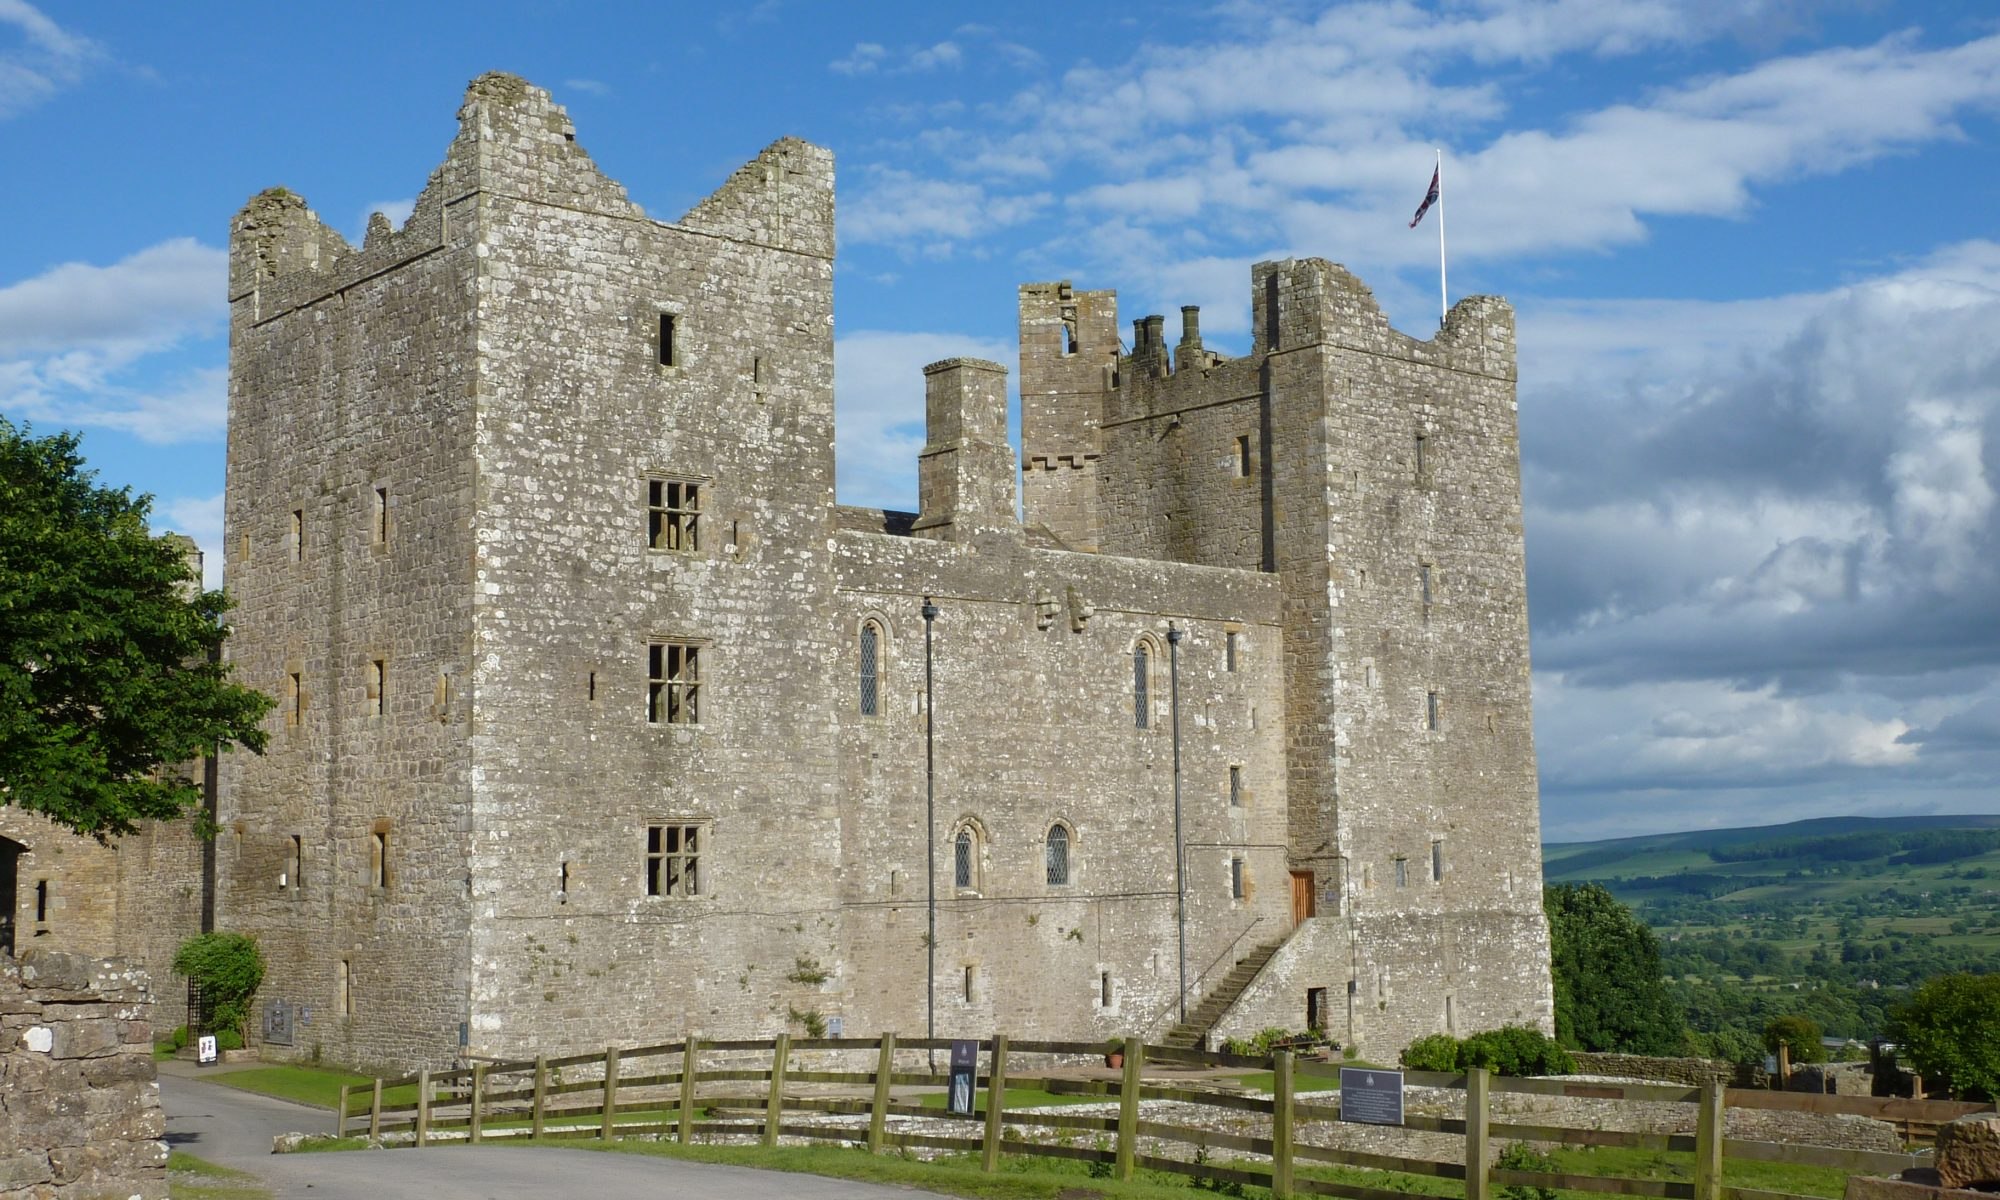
x=1949 y=1031
x=109 y=668
x=229 y=968
x=1609 y=989
x=1799 y=1035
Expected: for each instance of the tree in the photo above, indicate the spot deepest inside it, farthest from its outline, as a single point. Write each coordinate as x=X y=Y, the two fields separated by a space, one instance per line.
x=229 y=968
x=1949 y=1031
x=109 y=651
x=1799 y=1035
x=1610 y=993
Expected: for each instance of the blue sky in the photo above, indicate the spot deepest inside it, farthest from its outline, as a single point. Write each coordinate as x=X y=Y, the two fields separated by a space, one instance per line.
x=1751 y=245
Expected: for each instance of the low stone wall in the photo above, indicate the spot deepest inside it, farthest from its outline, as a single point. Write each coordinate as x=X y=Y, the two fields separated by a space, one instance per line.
x=79 y=1103
x=1691 y=1071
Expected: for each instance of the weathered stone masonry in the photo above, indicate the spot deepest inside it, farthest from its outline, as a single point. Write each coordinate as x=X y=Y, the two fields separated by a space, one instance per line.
x=602 y=722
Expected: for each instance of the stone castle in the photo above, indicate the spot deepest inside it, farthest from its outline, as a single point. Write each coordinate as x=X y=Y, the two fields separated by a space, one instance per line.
x=600 y=721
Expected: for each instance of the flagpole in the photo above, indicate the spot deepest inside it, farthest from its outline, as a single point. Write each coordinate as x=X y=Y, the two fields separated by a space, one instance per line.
x=1444 y=307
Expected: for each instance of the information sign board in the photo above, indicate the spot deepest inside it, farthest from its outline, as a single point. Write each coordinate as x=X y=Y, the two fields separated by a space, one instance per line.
x=964 y=1065
x=1370 y=1096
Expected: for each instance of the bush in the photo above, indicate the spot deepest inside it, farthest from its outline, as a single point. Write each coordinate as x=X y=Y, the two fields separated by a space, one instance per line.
x=228 y=967
x=1520 y=1156
x=1949 y=1031
x=1512 y=1050
x=1799 y=1035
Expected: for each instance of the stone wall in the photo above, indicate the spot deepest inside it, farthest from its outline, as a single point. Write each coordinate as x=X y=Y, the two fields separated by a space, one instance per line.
x=79 y=1108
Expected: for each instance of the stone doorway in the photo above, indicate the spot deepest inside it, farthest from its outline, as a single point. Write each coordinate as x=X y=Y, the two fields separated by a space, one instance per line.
x=1302 y=897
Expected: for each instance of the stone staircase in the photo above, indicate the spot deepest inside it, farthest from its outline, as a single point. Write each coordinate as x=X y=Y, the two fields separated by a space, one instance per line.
x=1193 y=1033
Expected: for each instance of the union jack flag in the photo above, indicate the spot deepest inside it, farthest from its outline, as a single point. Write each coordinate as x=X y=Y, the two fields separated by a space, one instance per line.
x=1430 y=198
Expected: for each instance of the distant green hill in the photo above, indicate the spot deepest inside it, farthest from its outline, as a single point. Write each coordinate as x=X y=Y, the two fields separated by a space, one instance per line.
x=1822 y=842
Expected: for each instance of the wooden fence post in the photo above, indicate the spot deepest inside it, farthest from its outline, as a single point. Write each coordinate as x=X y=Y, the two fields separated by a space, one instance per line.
x=774 y=1108
x=1477 y=1112
x=996 y=1103
x=473 y=1129
x=423 y=1107
x=375 y=1112
x=541 y=1101
x=690 y=1067
x=1784 y=1063
x=1128 y=1108
x=610 y=1092
x=1708 y=1144
x=878 y=1114
x=340 y=1114
x=1281 y=1125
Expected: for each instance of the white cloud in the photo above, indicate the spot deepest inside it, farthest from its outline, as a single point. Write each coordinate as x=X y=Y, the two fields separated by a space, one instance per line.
x=47 y=59
x=943 y=55
x=879 y=403
x=595 y=87
x=898 y=207
x=865 y=59
x=201 y=519
x=398 y=211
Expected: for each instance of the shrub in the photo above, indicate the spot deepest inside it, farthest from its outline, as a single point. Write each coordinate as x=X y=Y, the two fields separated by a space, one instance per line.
x=1434 y=1052
x=1800 y=1035
x=228 y=967
x=1949 y=1031
x=1511 y=1050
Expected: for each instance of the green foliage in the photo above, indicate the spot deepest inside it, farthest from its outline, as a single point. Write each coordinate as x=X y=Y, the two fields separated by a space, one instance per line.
x=1949 y=1031
x=229 y=968
x=108 y=663
x=1609 y=991
x=1270 y=1040
x=1520 y=1156
x=1514 y=1050
x=1800 y=1037
x=811 y=1020
x=806 y=970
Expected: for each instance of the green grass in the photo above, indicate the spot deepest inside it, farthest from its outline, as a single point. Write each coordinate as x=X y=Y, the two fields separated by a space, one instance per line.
x=317 y=1086
x=1619 y=1163
x=1022 y=1098
x=191 y=1178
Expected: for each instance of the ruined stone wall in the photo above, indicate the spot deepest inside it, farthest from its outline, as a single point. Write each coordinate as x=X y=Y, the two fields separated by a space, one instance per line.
x=1036 y=727
x=348 y=538
x=79 y=1109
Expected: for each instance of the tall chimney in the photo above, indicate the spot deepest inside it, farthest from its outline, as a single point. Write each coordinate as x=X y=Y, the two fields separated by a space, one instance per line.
x=965 y=474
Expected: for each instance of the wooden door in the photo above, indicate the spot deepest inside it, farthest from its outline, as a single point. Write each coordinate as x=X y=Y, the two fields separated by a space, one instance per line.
x=1302 y=896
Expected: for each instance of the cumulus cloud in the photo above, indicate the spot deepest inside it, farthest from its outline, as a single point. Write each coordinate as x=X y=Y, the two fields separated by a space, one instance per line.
x=879 y=418
x=71 y=336
x=865 y=59
x=898 y=207
x=199 y=517
x=43 y=59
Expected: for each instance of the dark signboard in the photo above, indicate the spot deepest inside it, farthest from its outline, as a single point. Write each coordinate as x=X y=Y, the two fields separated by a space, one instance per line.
x=1370 y=1096
x=964 y=1065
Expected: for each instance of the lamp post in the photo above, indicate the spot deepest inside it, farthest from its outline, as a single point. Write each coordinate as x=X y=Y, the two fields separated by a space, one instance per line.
x=1180 y=851
x=930 y=612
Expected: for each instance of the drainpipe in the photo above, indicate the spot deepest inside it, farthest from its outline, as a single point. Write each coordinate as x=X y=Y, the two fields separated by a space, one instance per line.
x=930 y=612
x=1180 y=851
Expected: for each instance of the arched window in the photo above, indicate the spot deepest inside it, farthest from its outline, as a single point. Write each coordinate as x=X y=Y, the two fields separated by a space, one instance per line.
x=962 y=859
x=1141 y=666
x=871 y=658
x=1056 y=854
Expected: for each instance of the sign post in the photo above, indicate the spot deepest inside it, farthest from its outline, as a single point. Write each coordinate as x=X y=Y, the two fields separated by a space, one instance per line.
x=204 y=1050
x=964 y=1065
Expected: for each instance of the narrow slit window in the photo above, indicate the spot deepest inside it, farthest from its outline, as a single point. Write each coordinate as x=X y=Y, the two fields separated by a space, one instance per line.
x=1236 y=878
x=1104 y=988
x=41 y=901
x=669 y=351
x=380 y=525
x=1402 y=872
x=1437 y=861
x=1140 y=668
x=295 y=701
x=673 y=683
x=673 y=514
x=1433 y=711
x=1055 y=853
x=968 y=983
x=294 y=863
x=378 y=678
x=1243 y=455
x=1424 y=582
x=673 y=860
x=378 y=859
x=1422 y=458
x=562 y=882
x=298 y=535
x=590 y=686
x=344 y=987
x=1229 y=650
x=961 y=860
x=1235 y=786
x=871 y=650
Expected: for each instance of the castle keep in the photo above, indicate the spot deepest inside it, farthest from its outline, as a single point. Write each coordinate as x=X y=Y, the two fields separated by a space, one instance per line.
x=600 y=721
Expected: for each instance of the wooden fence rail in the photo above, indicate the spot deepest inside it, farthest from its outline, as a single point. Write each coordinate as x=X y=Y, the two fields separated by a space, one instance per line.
x=658 y=1090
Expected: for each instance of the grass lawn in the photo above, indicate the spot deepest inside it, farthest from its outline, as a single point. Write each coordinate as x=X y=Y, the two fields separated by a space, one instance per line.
x=317 y=1086
x=1620 y=1163
x=191 y=1178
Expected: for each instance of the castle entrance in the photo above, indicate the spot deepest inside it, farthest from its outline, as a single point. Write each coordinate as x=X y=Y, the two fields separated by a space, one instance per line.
x=10 y=899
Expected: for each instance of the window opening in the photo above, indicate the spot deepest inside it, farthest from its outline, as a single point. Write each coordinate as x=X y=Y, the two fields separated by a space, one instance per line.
x=669 y=356
x=1229 y=650
x=294 y=865
x=298 y=535
x=1402 y=872
x=1433 y=711
x=1235 y=786
x=1424 y=574
x=673 y=514
x=381 y=523
x=378 y=673
x=1422 y=459
x=562 y=883
x=673 y=683
x=1056 y=855
x=870 y=649
x=345 y=981
x=295 y=704
x=590 y=686
x=378 y=859
x=41 y=901
x=1139 y=670
x=1104 y=988
x=1243 y=455
x=673 y=860
x=968 y=984
x=1437 y=861
x=1236 y=878
x=961 y=861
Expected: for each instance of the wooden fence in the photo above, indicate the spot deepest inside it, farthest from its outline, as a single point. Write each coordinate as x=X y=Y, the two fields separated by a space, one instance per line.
x=688 y=1091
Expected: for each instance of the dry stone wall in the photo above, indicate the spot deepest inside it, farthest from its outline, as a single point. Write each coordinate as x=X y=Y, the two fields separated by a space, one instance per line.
x=79 y=1107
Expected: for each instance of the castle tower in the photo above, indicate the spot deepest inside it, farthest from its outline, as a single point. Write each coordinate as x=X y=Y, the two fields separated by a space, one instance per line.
x=1069 y=360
